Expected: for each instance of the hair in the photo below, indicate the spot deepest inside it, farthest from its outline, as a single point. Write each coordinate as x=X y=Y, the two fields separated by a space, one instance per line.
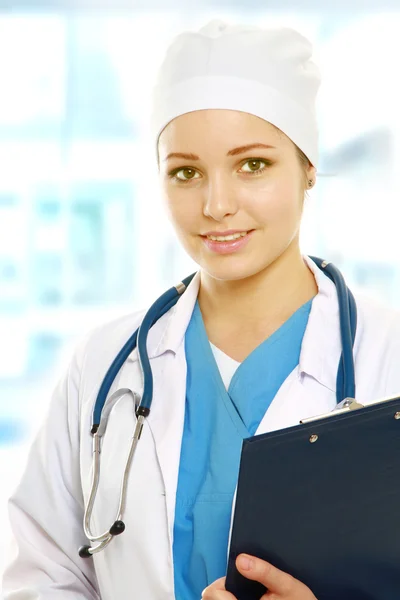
x=304 y=163
x=303 y=159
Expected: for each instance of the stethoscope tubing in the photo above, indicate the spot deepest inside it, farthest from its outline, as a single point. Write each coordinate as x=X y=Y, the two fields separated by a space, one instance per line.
x=139 y=339
x=345 y=388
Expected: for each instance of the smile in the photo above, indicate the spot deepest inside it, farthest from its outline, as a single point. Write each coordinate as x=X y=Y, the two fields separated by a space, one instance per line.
x=226 y=238
x=227 y=244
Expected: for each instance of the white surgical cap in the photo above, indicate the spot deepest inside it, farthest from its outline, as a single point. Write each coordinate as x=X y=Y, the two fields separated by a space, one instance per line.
x=265 y=72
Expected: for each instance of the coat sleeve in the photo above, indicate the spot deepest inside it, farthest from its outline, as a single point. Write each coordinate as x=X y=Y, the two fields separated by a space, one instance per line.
x=46 y=510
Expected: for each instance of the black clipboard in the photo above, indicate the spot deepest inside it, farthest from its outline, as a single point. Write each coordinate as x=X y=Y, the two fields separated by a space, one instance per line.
x=321 y=501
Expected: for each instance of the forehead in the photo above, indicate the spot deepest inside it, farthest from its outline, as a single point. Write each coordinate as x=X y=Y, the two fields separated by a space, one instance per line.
x=217 y=129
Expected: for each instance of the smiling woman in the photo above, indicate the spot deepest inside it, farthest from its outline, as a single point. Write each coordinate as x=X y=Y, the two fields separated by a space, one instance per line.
x=252 y=345
x=227 y=189
x=236 y=151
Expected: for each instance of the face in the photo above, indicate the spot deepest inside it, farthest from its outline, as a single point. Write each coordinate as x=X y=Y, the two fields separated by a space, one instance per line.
x=228 y=173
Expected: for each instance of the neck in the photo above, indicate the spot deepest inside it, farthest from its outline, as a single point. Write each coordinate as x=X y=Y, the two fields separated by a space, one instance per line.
x=260 y=302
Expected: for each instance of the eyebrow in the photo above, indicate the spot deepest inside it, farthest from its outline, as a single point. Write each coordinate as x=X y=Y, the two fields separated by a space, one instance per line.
x=233 y=152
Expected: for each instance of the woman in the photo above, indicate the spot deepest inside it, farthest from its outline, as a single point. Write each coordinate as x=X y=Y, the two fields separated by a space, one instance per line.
x=253 y=345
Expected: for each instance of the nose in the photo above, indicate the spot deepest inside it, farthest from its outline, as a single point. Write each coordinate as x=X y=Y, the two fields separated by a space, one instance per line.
x=220 y=199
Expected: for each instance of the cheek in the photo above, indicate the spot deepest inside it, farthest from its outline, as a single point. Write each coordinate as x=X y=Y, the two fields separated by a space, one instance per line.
x=183 y=209
x=275 y=202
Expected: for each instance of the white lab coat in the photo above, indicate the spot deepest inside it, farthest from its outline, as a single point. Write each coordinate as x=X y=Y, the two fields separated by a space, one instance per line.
x=46 y=511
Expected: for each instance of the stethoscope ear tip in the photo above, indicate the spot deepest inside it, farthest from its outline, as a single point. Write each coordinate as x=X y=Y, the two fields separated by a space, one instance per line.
x=84 y=552
x=117 y=528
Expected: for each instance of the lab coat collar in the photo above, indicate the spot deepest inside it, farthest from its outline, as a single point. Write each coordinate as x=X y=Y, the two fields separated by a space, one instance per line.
x=167 y=334
x=321 y=347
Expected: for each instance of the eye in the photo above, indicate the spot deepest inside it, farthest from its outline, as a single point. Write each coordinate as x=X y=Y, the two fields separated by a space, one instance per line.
x=185 y=174
x=255 y=166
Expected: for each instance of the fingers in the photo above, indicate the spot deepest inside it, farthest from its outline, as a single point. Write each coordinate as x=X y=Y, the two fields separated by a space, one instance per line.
x=276 y=581
x=217 y=595
x=259 y=570
x=279 y=584
x=217 y=585
x=216 y=591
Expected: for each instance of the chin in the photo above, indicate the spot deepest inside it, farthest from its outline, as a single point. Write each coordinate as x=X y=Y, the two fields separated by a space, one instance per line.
x=234 y=270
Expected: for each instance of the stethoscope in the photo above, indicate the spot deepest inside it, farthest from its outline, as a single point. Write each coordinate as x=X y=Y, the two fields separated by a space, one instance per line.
x=345 y=389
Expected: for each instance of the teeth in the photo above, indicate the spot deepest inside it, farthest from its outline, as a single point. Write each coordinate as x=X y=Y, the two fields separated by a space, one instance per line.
x=227 y=238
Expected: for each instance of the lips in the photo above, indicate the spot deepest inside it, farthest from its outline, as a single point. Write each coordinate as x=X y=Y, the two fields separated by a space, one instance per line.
x=227 y=246
x=225 y=233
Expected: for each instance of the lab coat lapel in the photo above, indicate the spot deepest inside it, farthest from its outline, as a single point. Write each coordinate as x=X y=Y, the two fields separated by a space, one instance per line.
x=299 y=397
x=311 y=387
x=166 y=419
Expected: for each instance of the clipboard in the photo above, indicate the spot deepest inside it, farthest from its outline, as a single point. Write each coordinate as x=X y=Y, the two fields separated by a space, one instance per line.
x=321 y=501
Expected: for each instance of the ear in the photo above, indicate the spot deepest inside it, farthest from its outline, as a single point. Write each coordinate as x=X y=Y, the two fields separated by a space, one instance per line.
x=311 y=172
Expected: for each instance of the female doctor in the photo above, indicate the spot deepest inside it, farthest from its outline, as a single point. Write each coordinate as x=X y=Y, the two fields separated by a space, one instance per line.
x=253 y=345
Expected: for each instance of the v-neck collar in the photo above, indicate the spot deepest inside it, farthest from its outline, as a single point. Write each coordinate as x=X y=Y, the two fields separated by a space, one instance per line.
x=232 y=398
x=213 y=372
x=321 y=348
x=268 y=342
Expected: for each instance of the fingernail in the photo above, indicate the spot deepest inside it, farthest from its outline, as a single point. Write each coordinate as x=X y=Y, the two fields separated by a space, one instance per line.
x=245 y=562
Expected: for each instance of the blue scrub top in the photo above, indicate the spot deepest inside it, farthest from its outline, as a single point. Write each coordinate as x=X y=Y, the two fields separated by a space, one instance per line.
x=216 y=422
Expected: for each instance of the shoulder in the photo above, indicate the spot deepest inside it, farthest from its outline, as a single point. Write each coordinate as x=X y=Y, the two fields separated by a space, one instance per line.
x=376 y=320
x=377 y=347
x=98 y=348
x=113 y=334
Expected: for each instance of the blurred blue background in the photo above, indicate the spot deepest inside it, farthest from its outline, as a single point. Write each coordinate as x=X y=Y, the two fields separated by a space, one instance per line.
x=83 y=235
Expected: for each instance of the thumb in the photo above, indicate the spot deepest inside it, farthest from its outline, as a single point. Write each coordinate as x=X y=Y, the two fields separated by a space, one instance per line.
x=275 y=581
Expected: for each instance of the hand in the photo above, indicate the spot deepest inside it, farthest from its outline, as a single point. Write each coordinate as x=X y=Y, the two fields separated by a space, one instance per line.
x=280 y=585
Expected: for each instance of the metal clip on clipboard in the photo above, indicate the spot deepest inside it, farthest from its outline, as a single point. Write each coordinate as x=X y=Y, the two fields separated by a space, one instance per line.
x=325 y=513
x=348 y=404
